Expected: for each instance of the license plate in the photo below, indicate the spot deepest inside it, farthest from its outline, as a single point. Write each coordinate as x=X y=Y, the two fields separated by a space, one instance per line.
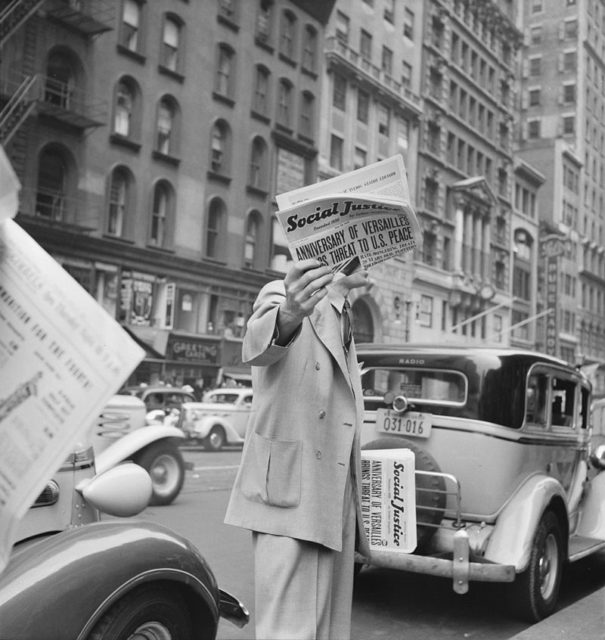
x=411 y=423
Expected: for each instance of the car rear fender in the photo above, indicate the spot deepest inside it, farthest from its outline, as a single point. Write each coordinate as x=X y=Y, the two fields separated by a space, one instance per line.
x=203 y=426
x=131 y=443
x=114 y=557
x=511 y=540
x=592 y=509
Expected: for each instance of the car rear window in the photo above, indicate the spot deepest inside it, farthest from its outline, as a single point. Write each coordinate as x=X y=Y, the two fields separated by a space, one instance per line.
x=223 y=398
x=427 y=386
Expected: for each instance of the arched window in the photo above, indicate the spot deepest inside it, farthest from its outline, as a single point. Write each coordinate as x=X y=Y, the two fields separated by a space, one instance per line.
x=52 y=185
x=225 y=64
x=60 y=79
x=307 y=115
x=220 y=148
x=309 y=54
x=170 y=56
x=120 y=183
x=287 y=35
x=363 y=323
x=253 y=225
x=161 y=214
x=284 y=103
x=127 y=101
x=260 y=99
x=214 y=228
x=258 y=164
x=166 y=134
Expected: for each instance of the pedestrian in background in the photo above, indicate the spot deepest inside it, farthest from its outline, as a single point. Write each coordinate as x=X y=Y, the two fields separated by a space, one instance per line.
x=297 y=485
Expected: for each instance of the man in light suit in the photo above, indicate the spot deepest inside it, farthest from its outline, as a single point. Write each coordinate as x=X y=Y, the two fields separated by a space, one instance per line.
x=296 y=488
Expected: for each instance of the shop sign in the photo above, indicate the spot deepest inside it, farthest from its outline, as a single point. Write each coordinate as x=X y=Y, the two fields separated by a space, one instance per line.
x=193 y=350
x=552 y=287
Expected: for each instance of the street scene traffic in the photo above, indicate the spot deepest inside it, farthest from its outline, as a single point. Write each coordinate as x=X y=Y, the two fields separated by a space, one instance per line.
x=302 y=324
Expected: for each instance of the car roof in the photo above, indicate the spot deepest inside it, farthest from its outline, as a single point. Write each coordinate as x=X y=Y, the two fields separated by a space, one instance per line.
x=460 y=351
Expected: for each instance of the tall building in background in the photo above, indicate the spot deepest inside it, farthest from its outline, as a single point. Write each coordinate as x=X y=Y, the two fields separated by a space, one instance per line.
x=562 y=134
x=466 y=172
x=149 y=138
x=370 y=110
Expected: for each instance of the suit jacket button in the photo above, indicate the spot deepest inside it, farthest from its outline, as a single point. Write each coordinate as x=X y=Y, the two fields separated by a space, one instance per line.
x=317 y=366
x=322 y=414
x=318 y=454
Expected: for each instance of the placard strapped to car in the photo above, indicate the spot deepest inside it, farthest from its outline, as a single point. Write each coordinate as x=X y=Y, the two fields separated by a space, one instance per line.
x=388 y=499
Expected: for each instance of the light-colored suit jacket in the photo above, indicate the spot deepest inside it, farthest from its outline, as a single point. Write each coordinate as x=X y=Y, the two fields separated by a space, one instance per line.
x=303 y=431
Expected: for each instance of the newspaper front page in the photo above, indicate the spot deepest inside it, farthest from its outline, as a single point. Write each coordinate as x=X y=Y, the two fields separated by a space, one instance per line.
x=62 y=356
x=361 y=217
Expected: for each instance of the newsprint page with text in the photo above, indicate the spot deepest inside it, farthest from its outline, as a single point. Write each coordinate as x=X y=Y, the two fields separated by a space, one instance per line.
x=360 y=218
x=62 y=357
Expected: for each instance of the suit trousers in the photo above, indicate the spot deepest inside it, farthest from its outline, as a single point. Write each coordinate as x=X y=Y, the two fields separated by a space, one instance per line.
x=303 y=590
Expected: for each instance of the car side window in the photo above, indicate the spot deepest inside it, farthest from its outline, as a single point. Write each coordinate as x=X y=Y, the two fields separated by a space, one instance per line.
x=535 y=405
x=563 y=402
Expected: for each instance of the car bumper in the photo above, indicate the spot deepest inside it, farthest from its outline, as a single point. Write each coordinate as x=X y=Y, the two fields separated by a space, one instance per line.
x=233 y=610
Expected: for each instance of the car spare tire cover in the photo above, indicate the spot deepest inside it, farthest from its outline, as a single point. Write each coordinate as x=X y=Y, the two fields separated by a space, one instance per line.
x=430 y=490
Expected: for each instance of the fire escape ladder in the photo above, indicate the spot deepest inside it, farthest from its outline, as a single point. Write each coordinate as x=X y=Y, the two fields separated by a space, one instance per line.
x=15 y=14
x=17 y=109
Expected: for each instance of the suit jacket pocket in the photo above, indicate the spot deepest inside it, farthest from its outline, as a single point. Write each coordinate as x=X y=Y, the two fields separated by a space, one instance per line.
x=272 y=471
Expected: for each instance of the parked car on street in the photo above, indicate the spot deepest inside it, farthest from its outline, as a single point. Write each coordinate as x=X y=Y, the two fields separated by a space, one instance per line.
x=73 y=576
x=122 y=433
x=502 y=444
x=219 y=420
x=161 y=398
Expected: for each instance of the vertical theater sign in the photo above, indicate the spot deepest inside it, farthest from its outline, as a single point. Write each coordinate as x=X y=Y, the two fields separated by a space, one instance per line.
x=553 y=246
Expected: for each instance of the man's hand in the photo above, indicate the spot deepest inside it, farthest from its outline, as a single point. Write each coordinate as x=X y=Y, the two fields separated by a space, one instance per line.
x=305 y=285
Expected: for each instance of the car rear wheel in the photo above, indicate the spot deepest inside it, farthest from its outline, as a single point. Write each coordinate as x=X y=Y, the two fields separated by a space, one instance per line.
x=430 y=489
x=215 y=439
x=164 y=463
x=534 y=594
x=148 y=613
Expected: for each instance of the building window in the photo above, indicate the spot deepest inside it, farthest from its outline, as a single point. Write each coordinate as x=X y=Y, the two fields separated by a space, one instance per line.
x=365 y=45
x=264 y=21
x=408 y=23
x=336 y=149
x=118 y=201
x=534 y=97
x=363 y=106
x=389 y=11
x=535 y=35
x=60 y=80
x=537 y=6
x=251 y=241
x=220 y=148
x=533 y=129
x=171 y=43
x=384 y=117
x=570 y=29
x=309 y=57
x=425 y=311
x=52 y=185
x=569 y=61
x=124 y=108
x=307 y=115
x=431 y=192
x=260 y=98
x=343 y=26
x=165 y=128
x=214 y=229
x=339 y=93
x=359 y=159
x=287 y=36
x=284 y=103
x=130 y=30
x=569 y=125
x=258 y=164
x=535 y=66
x=569 y=93
x=224 y=80
x=162 y=205
x=406 y=74
x=387 y=61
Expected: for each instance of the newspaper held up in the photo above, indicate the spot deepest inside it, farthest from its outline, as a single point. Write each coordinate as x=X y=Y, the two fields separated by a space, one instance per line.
x=358 y=218
x=62 y=356
x=388 y=499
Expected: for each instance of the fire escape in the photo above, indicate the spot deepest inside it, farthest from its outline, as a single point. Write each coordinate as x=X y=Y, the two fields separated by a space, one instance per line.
x=26 y=91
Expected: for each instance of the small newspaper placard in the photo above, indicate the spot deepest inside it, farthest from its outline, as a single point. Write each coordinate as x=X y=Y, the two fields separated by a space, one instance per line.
x=388 y=499
x=361 y=217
